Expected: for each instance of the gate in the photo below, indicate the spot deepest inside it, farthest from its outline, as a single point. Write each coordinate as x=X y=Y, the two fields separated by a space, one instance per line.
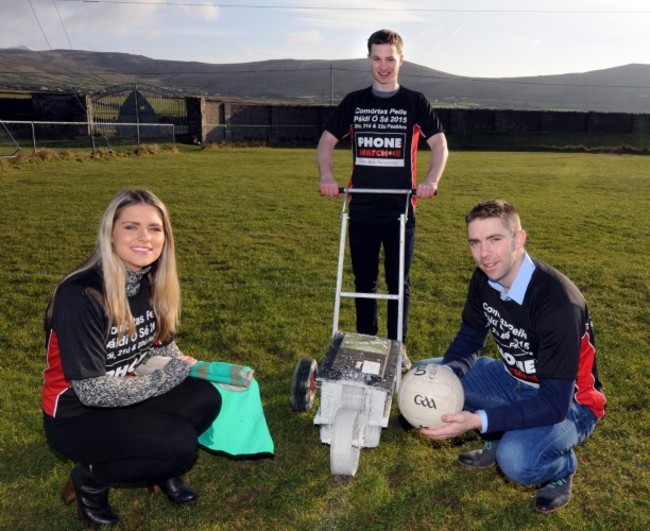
x=136 y=112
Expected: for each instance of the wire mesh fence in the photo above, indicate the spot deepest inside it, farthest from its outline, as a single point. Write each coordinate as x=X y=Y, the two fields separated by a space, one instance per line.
x=18 y=135
x=26 y=136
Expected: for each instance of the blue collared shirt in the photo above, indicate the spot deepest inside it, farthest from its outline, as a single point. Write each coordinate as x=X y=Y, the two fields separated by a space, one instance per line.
x=519 y=286
x=516 y=293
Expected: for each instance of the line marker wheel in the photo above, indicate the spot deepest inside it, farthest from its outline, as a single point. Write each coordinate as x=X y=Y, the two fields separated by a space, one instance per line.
x=345 y=450
x=303 y=385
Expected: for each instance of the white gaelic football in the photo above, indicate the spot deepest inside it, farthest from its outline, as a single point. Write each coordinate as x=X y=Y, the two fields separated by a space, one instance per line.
x=428 y=392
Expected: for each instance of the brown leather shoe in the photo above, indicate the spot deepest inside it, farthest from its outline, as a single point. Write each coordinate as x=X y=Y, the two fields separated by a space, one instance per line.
x=68 y=495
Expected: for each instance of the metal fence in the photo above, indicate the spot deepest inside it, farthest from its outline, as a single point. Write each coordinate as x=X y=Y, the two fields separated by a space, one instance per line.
x=18 y=136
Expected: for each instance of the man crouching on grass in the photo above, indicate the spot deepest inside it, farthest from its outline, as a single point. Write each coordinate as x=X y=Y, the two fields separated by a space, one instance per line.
x=542 y=397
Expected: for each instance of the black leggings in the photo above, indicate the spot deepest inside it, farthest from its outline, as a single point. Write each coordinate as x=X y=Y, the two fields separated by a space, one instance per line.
x=146 y=442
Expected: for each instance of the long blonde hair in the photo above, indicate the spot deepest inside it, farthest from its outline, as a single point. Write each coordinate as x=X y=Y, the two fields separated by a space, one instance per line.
x=165 y=290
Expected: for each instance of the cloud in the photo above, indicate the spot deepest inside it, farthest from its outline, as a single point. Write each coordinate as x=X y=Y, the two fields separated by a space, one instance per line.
x=304 y=37
x=207 y=12
x=466 y=38
x=97 y=26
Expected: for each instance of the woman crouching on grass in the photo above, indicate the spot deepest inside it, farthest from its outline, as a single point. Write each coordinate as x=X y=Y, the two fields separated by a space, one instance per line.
x=115 y=312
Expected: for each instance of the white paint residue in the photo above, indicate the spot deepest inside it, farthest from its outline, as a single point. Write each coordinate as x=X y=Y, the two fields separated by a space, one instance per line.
x=371 y=367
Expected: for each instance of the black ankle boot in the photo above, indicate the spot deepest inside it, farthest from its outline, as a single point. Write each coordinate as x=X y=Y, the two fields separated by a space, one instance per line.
x=92 y=500
x=176 y=491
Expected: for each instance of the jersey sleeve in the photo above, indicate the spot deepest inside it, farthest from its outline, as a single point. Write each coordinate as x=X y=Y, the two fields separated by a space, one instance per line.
x=340 y=121
x=111 y=391
x=427 y=119
x=80 y=325
x=549 y=407
x=464 y=350
x=473 y=314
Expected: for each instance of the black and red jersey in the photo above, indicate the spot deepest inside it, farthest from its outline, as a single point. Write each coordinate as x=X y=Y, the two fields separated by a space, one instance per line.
x=550 y=335
x=80 y=344
x=384 y=135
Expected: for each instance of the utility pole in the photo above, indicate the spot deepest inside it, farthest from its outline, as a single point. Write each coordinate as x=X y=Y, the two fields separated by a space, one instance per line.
x=331 y=85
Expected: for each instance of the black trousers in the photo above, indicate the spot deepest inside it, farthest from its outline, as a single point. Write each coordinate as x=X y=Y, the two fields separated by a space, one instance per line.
x=366 y=240
x=146 y=442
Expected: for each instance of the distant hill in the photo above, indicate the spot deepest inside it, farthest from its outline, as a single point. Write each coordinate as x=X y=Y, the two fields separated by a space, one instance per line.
x=620 y=89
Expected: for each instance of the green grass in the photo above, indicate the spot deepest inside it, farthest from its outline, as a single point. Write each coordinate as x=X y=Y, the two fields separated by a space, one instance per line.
x=257 y=252
x=630 y=143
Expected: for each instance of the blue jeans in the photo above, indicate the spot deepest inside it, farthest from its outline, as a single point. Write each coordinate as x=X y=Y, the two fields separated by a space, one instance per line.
x=533 y=455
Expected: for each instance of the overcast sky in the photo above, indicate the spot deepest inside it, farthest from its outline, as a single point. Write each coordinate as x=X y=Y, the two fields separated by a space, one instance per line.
x=484 y=38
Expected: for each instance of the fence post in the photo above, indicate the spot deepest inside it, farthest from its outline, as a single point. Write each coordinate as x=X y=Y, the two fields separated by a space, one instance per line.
x=33 y=138
x=137 y=113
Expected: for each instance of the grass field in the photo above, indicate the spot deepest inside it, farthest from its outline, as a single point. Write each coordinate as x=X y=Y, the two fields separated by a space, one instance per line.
x=257 y=255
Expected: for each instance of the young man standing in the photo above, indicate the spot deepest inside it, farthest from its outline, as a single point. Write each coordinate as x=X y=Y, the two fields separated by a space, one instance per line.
x=384 y=122
x=542 y=397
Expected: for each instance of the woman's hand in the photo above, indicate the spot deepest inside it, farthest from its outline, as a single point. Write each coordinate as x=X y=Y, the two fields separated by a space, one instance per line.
x=188 y=359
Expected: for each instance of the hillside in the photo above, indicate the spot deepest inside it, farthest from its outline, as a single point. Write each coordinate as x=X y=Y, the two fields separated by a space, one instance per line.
x=621 y=89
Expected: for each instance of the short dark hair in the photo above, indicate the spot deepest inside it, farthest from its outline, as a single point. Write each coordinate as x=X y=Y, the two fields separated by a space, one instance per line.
x=386 y=36
x=496 y=208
